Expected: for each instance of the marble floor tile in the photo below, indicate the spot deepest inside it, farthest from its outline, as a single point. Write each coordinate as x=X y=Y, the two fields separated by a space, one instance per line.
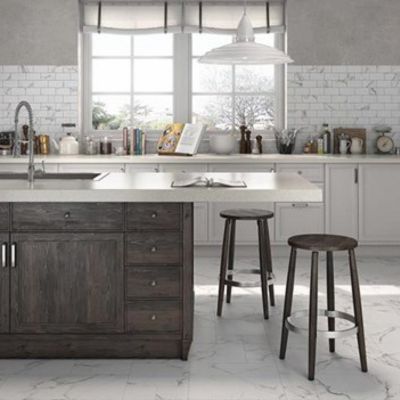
x=235 y=357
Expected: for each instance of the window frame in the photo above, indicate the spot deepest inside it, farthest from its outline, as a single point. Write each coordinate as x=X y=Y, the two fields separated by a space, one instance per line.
x=181 y=81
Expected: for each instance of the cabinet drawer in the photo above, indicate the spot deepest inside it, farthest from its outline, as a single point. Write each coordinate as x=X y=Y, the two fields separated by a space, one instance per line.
x=153 y=248
x=313 y=173
x=152 y=216
x=4 y=216
x=152 y=282
x=153 y=316
x=67 y=216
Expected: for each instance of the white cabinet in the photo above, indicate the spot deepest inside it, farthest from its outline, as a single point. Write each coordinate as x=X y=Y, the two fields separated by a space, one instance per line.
x=131 y=168
x=341 y=201
x=23 y=167
x=311 y=172
x=109 y=167
x=200 y=214
x=379 y=203
x=298 y=218
x=246 y=231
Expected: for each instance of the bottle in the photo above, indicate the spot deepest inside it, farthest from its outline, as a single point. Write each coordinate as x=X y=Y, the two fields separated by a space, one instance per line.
x=326 y=137
x=320 y=145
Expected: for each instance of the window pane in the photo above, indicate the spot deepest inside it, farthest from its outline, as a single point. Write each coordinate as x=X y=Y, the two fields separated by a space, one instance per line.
x=214 y=111
x=211 y=78
x=152 y=112
x=203 y=42
x=152 y=75
x=255 y=78
x=255 y=111
x=111 y=45
x=110 y=112
x=111 y=75
x=153 y=45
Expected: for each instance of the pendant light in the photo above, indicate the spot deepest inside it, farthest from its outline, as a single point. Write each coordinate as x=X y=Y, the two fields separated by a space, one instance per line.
x=244 y=50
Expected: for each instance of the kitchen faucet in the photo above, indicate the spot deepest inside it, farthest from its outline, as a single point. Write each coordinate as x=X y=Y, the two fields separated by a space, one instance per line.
x=31 y=165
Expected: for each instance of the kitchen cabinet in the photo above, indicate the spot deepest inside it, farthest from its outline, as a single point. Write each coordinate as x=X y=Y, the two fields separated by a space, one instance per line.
x=379 y=199
x=298 y=218
x=341 y=209
x=4 y=282
x=67 y=283
x=130 y=168
x=106 y=167
x=14 y=167
x=246 y=232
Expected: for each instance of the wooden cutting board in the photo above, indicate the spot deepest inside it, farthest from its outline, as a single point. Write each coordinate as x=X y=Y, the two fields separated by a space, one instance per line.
x=350 y=133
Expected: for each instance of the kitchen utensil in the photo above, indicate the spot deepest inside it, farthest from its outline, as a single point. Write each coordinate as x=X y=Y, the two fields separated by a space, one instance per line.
x=44 y=144
x=344 y=145
x=286 y=140
x=349 y=133
x=356 y=145
x=105 y=146
x=222 y=143
x=68 y=145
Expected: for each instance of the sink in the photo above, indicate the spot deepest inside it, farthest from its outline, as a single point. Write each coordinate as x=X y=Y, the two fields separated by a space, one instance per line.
x=91 y=176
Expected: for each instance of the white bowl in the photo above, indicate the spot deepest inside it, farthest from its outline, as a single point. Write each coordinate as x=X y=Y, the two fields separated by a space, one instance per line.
x=222 y=143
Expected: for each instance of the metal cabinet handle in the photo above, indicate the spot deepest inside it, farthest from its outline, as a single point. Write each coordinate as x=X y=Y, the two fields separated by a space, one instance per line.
x=4 y=255
x=67 y=215
x=355 y=175
x=300 y=205
x=153 y=317
x=153 y=283
x=122 y=169
x=153 y=249
x=154 y=215
x=156 y=169
x=13 y=255
x=272 y=170
x=300 y=172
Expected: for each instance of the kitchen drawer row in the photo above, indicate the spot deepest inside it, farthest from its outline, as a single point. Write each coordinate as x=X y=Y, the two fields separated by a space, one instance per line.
x=359 y=200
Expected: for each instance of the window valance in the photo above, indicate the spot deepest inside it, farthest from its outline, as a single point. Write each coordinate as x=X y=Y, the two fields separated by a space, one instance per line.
x=138 y=17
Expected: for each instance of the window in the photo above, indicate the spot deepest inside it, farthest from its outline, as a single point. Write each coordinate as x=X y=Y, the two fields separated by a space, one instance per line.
x=129 y=81
x=225 y=97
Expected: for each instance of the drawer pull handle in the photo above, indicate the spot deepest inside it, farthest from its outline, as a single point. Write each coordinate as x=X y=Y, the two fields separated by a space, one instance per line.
x=67 y=215
x=299 y=172
x=153 y=317
x=153 y=283
x=13 y=255
x=4 y=255
x=154 y=215
x=153 y=249
x=300 y=205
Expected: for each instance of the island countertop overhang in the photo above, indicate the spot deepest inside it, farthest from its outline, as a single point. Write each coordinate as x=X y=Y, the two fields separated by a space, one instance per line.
x=156 y=187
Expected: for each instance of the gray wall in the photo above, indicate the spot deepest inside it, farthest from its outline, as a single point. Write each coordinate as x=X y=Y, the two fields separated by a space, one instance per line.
x=352 y=32
x=39 y=32
x=321 y=32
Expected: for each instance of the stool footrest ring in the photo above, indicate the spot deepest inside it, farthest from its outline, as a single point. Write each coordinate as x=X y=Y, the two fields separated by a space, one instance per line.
x=352 y=330
x=231 y=282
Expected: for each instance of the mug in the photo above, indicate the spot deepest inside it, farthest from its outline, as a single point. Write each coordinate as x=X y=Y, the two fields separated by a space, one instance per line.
x=344 y=146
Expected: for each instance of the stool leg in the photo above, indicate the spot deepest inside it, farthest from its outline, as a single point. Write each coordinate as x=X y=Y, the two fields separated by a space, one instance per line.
x=267 y=245
x=263 y=268
x=287 y=309
x=355 y=286
x=312 y=323
x=230 y=259
x=222 y=272
x=330 y=290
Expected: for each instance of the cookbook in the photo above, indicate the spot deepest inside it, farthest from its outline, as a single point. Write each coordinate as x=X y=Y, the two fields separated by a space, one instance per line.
x=203 y=181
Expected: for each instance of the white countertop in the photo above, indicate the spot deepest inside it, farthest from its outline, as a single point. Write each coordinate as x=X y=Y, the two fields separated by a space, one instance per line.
x=208 y=158
x=156 y=187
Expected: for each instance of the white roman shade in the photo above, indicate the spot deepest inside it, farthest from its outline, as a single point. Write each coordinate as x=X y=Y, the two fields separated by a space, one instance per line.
x=222 y=16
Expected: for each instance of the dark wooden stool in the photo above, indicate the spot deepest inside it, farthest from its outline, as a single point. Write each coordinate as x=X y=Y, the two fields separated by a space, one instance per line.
x=228 y=251
x=328 y=244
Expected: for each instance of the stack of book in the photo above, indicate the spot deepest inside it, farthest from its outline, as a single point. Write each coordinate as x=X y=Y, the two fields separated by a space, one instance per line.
x=137 y=142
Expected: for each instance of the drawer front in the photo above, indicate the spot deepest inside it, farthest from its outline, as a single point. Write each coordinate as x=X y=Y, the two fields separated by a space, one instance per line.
x=313 y=172
x=67 y=216
x=151 y=216
x=154 y=282
x=153 y=317
x=4 y=216
x=153 y=248
x=107 y=167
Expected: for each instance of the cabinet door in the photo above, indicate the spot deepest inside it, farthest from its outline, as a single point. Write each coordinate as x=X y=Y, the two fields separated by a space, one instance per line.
x=342 y=199
x=298 y=218
x=110 y=167
x=200 y=212
x=67 y=283
x=379 y=195
x=246 y=231
x=4 y=283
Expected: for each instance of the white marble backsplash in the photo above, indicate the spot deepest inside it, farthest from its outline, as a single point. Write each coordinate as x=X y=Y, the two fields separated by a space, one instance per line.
x=51 y=90
x=345 y=96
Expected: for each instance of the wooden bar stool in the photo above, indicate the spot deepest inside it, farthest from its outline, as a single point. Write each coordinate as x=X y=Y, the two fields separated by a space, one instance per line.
x=228 y=250
x=329 y=244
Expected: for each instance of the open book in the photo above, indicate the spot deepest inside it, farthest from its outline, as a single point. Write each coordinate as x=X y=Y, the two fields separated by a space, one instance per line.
x=203 y=181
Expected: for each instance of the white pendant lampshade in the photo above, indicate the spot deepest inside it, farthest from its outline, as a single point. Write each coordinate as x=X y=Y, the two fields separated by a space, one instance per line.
x=245 y=50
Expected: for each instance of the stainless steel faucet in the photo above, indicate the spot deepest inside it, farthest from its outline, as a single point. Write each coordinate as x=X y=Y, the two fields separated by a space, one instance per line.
x=31 y=165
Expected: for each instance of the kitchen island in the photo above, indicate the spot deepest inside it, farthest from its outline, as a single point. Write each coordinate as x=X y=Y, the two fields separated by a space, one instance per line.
x=104 y=268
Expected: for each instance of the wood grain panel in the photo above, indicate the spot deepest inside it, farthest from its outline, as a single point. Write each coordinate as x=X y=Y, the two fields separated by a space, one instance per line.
x=67 y=216
x=4 y=286
x=152 y=282
x=4 y=216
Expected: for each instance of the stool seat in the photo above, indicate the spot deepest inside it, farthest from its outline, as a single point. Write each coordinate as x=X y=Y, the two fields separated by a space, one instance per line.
x=246 y=214
x=322 y=242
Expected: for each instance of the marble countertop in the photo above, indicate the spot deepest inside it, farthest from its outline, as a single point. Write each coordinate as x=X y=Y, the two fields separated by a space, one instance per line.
x=156 y=187
x=207 y=158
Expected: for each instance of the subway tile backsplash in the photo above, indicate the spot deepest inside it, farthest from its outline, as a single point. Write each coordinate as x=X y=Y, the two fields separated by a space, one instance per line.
x=348 y=96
